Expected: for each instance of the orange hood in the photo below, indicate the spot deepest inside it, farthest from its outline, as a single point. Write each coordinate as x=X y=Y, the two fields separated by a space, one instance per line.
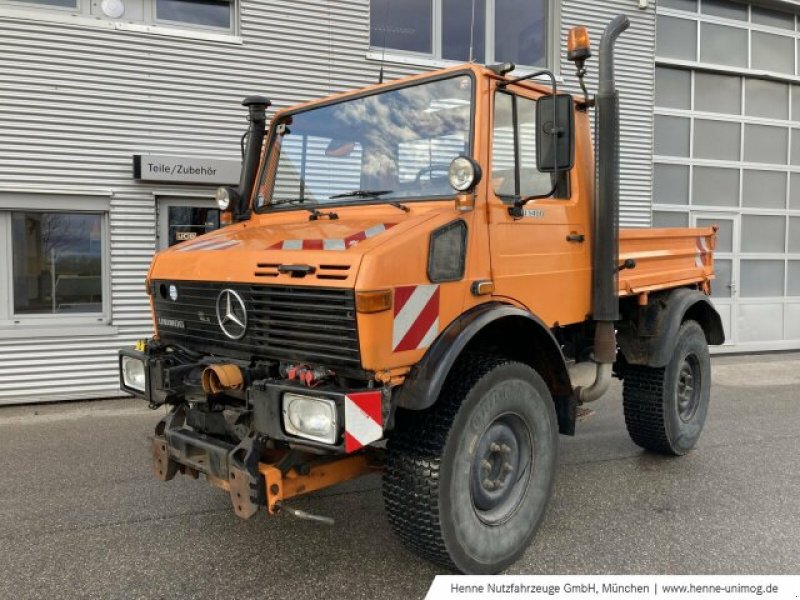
x=253 y=251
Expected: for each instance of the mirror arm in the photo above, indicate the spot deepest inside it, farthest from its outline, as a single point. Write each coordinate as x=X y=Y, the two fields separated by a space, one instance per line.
x=516 y=210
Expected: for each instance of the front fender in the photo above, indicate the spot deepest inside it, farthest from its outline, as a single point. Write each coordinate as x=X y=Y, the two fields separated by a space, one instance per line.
x=531 y=339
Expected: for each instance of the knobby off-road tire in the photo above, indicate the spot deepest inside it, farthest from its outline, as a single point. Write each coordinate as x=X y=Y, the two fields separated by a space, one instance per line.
x=665 y=408
x=467 y=481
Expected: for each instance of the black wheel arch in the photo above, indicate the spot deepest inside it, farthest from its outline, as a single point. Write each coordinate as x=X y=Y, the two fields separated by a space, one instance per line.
x=648 y=338
x=511 y=332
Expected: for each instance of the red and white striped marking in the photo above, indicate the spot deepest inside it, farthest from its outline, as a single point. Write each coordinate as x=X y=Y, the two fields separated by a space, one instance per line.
x=702 y=252
x=363 y=419
x=210 y=245
x=416 y=317
x=334 y=243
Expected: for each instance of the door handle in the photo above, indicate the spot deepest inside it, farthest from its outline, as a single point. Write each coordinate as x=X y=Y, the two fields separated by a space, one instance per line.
x=576 y=237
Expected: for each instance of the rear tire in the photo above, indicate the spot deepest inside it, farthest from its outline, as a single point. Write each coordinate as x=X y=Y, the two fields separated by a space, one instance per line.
x=467 y=481
x=666 y=408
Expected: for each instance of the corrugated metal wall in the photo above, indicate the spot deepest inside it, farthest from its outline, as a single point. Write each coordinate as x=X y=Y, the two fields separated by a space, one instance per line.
x=636 y=77
x=76 y=102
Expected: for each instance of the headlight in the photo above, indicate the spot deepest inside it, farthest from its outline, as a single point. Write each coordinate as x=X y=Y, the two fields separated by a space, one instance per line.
x=224 y=198
x=133 y=374
x=311 y=418
x=464 y=174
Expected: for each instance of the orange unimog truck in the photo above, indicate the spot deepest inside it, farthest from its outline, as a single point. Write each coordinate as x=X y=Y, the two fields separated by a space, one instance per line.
x=425 y=278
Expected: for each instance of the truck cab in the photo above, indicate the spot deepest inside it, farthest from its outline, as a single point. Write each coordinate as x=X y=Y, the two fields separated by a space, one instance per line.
x=424 y=278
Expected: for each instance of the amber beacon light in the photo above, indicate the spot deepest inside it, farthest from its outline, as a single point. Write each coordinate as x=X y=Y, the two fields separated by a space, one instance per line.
x=579 y=47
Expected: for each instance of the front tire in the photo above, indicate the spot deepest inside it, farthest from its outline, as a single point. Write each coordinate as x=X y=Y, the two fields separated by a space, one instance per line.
x=467 y=481
x=666 y=408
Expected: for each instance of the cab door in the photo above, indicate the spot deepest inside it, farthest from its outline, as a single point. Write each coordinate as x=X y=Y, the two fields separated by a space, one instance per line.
x=541 y=259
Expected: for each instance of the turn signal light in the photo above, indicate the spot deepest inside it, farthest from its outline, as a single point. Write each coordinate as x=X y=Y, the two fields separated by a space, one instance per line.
x=579 y=46
x=373 y=302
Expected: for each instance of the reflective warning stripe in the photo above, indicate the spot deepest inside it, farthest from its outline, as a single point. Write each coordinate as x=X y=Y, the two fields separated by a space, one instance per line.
x=416 y=317
x=210 y=245
x=363 y=419
x=334 y=243
x=702 y=252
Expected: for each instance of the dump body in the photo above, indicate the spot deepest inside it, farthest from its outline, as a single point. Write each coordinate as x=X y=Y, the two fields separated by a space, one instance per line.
x=666 y=258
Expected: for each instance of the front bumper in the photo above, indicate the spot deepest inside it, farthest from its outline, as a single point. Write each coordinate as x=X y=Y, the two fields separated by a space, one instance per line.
x=253 y=475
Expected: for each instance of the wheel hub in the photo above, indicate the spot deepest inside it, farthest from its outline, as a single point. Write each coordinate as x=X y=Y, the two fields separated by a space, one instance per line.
x=688 y=389
x=500 y=463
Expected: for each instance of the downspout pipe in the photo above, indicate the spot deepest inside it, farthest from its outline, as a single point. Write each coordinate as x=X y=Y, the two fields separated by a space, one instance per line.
x=257 y=115
x=605 y=299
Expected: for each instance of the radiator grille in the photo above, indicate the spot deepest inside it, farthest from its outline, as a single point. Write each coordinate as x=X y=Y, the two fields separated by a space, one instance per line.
x=296 y=323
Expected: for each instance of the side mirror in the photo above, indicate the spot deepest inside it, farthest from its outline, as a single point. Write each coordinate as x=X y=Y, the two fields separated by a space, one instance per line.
x=555 y=133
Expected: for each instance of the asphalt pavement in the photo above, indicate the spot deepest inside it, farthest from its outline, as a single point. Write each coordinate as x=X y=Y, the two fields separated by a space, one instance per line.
x=82 y=517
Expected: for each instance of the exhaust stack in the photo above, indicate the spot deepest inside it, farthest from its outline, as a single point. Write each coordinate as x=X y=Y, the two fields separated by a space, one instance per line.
x=605 y=269
x=257 y=107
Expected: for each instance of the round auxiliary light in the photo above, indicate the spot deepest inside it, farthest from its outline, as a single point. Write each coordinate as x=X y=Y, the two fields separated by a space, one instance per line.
x=173 y=293
x=223 y=198
x=464 y=174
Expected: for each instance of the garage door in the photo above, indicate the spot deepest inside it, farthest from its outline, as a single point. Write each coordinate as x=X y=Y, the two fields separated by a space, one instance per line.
x=727 y=152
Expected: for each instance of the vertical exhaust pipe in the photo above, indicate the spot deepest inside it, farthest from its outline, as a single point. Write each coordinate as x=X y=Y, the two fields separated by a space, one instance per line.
x=605 y=300
x=257 y=107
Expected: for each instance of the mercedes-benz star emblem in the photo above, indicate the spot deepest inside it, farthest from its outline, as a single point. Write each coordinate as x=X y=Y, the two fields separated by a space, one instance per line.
x=231 y=314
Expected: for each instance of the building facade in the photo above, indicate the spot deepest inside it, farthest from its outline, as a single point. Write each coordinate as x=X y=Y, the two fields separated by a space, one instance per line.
x=119 y=118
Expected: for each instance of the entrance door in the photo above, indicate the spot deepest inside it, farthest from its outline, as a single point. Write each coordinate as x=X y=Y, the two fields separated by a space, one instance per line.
x=726 y=268
x=182 y=219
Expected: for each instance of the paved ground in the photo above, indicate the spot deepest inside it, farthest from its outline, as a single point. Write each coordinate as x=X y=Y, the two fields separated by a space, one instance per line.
x=80 y=515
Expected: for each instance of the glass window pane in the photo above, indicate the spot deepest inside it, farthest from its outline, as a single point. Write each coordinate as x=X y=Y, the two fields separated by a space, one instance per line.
x=723 y=45
x=764 y=189
x=57 y=262
x=188 y=222
x=796 y=146
x=673 y=88
x=715 y=187
x=671 y=184
x=773 y=53
x=676 y=38
x=762 y=233
x=768 y=99
x=795 y=103
x=670 y=219
x=772 y=18
x=464 y=25
x=721 y=286
x=406 y=25
x=794 y=234
x=520 y=32
x=672 y=136
x=724 y=232
x=761 y=278
x=766 y=144
x=717 y=140
x=687 y=5
x=208 y=13
x=794 y=278
x=718 y=93
x=794 y=191
x=61 y=3
x=503 y=146
x=725 y=9
x=532 y=181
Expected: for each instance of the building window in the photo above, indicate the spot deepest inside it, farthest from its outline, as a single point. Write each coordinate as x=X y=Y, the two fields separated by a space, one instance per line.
x=55 y=266
x=485 y=31
x=205 y=15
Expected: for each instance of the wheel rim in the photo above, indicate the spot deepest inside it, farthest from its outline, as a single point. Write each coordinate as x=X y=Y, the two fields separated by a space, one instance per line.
x=501 y=469
x=688 y=390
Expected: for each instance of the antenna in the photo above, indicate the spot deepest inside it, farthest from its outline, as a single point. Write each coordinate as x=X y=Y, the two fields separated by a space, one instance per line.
x=385 y=32
x=472 y=31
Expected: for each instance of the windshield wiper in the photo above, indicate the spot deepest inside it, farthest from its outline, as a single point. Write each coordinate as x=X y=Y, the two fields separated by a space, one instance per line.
x=362 y=194
x=372 y=194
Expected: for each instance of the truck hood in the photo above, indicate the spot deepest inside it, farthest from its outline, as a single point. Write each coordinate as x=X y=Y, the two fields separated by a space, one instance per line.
x=324 y=252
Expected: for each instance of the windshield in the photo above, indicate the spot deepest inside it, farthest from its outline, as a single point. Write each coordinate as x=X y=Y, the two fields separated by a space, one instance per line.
x=390 y=146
